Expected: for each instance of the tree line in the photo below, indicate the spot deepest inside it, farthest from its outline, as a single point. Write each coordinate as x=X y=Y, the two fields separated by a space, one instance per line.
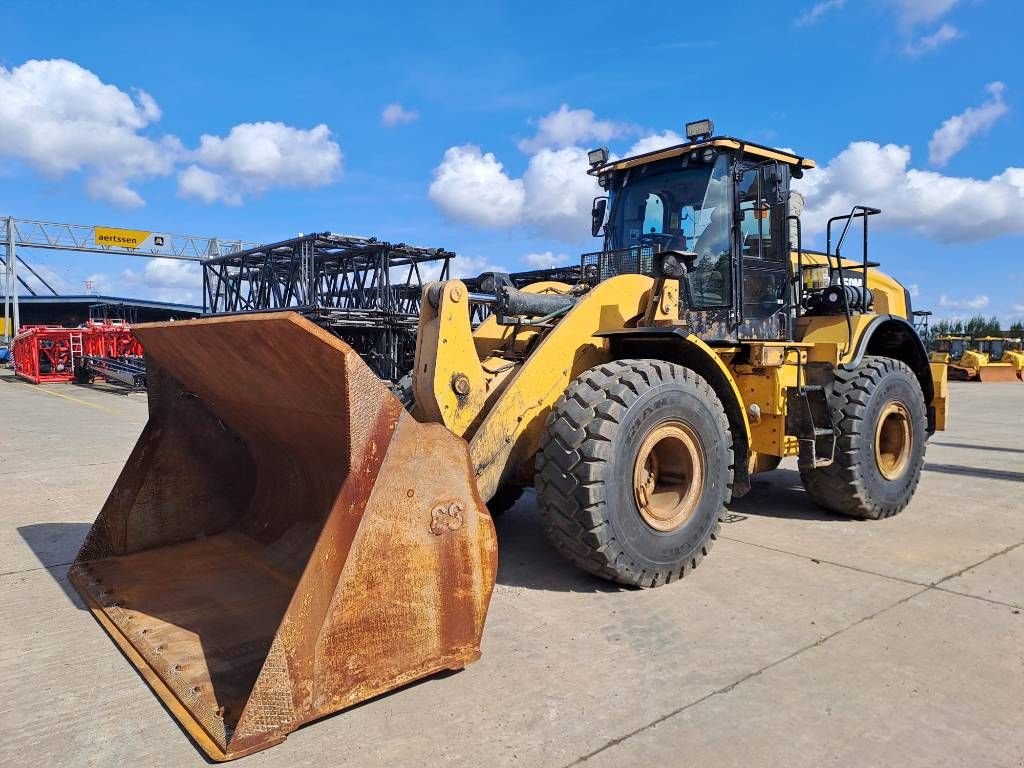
x=972 y=327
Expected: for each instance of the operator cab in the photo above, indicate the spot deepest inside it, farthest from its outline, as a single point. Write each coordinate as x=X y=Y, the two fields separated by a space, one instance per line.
x=721 y=208
x=954 y=346
x=993 y=346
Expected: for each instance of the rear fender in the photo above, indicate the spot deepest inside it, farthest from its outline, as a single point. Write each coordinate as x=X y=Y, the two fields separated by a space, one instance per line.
x=892 y=336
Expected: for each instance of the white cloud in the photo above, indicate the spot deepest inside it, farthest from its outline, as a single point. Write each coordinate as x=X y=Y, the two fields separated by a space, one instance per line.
x=567 y=127
x=913 y=12
x=559 y=193
x=954 y=133
x=166 y=280
x=472 y=266
x=56 y=280
x=254 y=157
x=978 y=302
x=655 y=141
x=59 y=118
x=553 y=196
x=546 y=259
x=396 y=114
x=818 y=10
x=928 y=43
x=946 y=209
x=472 y=187
x=98 y=283
x=914 y=290
x=208 y=187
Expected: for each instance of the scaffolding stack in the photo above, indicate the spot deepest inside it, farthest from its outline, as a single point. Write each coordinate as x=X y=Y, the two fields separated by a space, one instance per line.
x=364 y=290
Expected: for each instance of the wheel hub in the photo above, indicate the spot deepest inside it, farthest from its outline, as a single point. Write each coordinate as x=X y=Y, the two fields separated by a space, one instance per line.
x=668 y=476
x=893 y=440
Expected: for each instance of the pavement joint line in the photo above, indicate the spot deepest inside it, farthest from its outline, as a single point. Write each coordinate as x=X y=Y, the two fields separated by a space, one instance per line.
x=37 y=568
x=735 y=684
x=912 y=582
x=813 y=559
x=36 y=388
x=962 y=571
x=946 y=590
x=934 y=586
x=52 y=469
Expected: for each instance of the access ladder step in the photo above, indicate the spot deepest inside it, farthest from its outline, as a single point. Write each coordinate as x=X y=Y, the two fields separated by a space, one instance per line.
x=809 y=418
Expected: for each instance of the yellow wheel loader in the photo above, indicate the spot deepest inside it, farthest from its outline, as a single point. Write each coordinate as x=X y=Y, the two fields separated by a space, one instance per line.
x=290 y=538
x=984 y=361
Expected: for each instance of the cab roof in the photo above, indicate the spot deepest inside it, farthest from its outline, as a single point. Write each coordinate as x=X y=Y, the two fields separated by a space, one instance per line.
x=718 y=142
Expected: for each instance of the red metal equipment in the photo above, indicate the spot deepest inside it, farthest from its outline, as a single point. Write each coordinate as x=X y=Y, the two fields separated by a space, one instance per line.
x=46 y=353
x=110 y=338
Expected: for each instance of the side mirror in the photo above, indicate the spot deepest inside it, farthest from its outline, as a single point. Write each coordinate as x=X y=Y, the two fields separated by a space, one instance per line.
x=597 y=215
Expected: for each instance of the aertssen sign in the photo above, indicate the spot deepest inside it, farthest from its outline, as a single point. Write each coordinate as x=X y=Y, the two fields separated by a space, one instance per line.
x=114 y=237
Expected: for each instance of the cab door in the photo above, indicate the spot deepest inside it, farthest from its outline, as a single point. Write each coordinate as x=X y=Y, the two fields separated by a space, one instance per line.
x=762 y=244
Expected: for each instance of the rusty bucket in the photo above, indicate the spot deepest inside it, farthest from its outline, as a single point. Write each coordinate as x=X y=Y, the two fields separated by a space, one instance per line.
x=285 y=540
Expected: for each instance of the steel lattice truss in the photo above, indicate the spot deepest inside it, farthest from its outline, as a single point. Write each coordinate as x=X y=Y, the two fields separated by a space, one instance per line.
x=364 y=290
x=82 y=237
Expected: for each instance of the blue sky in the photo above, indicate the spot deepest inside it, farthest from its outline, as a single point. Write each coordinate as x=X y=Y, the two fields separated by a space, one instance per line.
x=204 y=118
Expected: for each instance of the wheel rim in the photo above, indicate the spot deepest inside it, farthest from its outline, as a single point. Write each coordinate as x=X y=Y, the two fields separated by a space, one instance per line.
x=668 y=475
x=893 y=440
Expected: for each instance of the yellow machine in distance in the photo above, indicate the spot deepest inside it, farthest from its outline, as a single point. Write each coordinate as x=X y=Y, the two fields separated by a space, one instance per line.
x=289 y=539
x=949 y=349
x=1014 y=354
x=984 y=360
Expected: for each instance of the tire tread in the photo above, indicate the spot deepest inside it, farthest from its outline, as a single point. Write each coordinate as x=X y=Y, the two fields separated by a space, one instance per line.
x=841 y=487
x=573 y=459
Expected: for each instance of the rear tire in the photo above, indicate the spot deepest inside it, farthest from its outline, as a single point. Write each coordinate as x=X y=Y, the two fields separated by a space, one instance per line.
x=881 y=417
x=634 y=470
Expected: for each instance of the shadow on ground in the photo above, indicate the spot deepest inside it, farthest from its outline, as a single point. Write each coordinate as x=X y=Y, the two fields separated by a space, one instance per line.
x=780 y=493
x=526 y=559
x=111 y=389
x=988 y=474
x=973 y=447
x=55 y=546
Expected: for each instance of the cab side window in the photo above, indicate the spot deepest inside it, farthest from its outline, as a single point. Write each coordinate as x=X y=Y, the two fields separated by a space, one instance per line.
x=756 y=231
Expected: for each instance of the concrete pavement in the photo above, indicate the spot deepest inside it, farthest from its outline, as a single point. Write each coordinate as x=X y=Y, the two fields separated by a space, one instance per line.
x=804 y=638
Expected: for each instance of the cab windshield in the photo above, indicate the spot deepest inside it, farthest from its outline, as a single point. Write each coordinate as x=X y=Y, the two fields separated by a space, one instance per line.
x=683 y=209
x=993 y=347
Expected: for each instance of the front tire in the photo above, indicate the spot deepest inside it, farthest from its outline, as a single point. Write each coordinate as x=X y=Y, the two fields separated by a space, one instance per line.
x=881 y=417
x=634 y=471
